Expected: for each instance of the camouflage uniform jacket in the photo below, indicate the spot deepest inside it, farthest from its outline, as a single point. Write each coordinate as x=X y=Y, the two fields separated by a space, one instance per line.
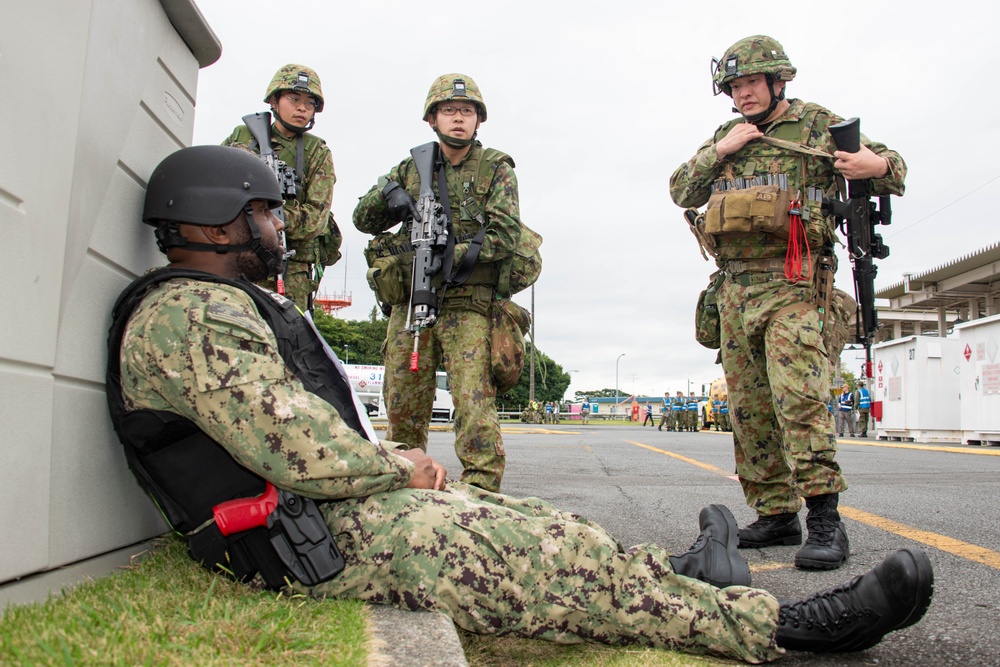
x=308 y=216
x=500 y=210
x=691 y=185
x=202 y=351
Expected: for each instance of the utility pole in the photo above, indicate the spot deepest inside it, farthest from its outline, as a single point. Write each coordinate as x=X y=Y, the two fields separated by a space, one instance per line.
x=531 y=378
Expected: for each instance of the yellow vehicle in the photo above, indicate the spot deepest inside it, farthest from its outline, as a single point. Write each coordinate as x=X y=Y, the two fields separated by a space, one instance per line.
x=717 y=391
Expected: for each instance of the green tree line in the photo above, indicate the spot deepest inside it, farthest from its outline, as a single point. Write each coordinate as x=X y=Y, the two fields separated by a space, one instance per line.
x=360 y=342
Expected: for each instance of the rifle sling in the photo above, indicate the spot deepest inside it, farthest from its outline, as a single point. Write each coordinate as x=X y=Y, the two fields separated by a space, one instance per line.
x=462 y=273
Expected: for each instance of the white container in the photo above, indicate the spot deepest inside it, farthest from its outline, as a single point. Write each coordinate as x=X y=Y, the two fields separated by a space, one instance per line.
x=112 y=87
x=917 y=384
x=980 y=361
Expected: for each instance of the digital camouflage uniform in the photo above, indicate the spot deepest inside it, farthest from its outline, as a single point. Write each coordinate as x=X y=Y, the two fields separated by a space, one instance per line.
x=496 y=565
x=460 y=340
x=773 y=355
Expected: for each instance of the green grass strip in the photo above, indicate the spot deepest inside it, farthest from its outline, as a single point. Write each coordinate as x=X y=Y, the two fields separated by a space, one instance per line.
x=166 y=610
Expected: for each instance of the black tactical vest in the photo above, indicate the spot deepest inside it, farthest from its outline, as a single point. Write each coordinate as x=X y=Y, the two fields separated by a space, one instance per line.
x=186 y=472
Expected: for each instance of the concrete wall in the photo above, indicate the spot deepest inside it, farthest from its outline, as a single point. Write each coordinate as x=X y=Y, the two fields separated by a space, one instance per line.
x=97 y=93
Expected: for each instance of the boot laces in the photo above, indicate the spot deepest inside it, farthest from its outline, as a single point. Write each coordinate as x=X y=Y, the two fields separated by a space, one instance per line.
x=828 y=610
x=822 y=530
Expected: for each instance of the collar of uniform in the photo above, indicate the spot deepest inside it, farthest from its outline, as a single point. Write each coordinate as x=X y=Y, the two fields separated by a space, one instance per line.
x=476 y=146
x=792 y=115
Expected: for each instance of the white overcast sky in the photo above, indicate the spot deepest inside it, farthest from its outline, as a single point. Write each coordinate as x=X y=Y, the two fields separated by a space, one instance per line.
x=598 y=103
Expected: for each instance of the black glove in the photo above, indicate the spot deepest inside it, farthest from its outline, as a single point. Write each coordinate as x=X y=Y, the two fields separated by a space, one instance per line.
x=400 y=202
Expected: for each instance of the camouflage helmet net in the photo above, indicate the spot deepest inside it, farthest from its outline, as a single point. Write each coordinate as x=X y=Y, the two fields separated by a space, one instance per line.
x=759 y=54
x=454 y=87
x=298 y=78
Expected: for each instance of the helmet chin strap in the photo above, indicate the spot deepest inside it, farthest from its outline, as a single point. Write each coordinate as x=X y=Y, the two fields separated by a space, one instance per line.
x=452 y=141
x=758 y=117
x=295 y=128
x=169 y=236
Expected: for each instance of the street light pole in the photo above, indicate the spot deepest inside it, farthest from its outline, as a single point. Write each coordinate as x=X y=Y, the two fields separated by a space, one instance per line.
x=347 y=353
x=616 y=381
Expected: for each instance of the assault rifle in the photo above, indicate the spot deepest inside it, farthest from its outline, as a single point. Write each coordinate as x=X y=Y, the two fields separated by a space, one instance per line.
x=857 y=218
x=429 y=238
x=259 y=125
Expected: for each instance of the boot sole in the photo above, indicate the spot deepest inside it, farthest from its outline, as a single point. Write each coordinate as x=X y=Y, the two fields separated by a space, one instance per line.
x=789 y=541
x=925 y=592
x=807 y=564
x=741 y=569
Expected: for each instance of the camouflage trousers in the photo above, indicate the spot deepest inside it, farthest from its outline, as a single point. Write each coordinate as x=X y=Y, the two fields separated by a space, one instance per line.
x=298 y=284
x=499 y=565
x=778 y=378
x=461 y=342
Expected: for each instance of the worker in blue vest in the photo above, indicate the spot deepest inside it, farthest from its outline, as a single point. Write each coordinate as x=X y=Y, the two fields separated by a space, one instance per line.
x=864 y=410
x=845 y=416
x=692 y=412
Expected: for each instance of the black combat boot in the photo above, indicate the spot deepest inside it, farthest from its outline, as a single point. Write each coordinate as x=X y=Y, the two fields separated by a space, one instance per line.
x=826 y=547
x=713 y=558
x=856 y=615
x=773 y=530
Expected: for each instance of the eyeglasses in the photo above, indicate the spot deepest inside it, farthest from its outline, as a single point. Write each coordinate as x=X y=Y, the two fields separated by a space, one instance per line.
x=451 y=110
x=307 y=100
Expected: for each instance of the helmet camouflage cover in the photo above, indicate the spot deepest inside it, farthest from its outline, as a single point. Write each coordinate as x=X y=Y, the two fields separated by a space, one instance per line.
x=758 y=54
x=454 y=87
x=298 y=78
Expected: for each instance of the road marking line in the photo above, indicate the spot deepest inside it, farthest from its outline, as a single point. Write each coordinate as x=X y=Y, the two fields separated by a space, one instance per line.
x=694 y=462
x=957 y=547
x=944 y=543
x=926 y=448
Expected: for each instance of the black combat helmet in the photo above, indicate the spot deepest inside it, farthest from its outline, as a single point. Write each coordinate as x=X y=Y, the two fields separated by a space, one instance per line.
x=207 y=185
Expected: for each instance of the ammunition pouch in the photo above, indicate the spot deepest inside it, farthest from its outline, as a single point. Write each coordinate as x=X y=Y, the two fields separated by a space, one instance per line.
x=510 y=322
x=762 y=208
x=389 y=277
x=707 y=321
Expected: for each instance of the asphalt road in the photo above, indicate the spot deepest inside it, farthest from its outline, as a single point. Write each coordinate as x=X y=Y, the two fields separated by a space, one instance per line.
x=648 y=486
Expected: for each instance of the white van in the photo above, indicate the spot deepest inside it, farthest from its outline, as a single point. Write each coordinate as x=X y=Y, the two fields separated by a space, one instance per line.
x=443 y=410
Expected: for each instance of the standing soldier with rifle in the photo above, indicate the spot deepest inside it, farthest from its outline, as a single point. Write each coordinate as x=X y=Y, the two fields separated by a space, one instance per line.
x=295 y=97
x=441 y=310
x=771 y=180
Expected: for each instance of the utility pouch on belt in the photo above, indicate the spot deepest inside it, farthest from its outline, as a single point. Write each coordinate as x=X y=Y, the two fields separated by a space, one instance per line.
x=707 y=323
x=510 y=324
x=762 y=208
x=389 y=278
x=838 y=329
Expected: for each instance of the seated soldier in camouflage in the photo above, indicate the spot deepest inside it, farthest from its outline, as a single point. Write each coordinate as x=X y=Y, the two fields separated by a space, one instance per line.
x=198 y=351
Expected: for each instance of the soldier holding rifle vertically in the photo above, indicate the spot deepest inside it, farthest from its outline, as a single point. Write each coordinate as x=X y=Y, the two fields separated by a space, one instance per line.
x=477 y=189
x=771 y=179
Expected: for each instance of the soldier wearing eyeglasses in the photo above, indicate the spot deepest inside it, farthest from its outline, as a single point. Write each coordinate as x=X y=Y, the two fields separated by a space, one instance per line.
x=295 y=97
x=482 y=196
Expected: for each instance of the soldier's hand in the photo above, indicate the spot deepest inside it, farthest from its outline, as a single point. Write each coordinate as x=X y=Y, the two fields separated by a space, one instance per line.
x=400 y=202
x=737 y=138
x=428 y=473
x=861 y=165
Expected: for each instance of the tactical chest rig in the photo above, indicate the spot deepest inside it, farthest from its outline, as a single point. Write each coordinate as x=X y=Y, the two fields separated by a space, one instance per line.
x=390 y=254
x=233 y=520
x=755 y=198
